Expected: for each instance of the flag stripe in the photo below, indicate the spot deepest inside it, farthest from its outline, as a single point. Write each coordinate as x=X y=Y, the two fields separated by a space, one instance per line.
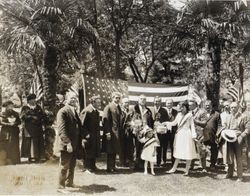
x=162 y=94
x=156 y=89
x=151 y=99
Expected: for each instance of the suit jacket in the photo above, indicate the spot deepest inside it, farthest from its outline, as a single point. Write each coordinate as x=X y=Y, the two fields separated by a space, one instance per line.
x=172 y=118
x=112 y=123
x=199 y=115
x=91 y=126
x=163 y=113
x=210 y=126
x=148 y=117
x=69 y=125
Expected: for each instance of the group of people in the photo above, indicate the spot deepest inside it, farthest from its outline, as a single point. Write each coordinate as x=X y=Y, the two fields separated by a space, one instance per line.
x=142 y=135
x=37 y=136
x=139 y=135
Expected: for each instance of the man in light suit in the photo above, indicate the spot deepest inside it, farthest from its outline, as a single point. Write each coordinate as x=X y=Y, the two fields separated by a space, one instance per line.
x=199 y=115
x=241 y=125
x=69 y=126
x=91 y=132
x=172 y=113
x=112 y=127
x=210 y=127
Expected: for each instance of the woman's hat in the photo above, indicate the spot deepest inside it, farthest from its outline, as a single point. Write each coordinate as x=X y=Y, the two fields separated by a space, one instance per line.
x=229 y=135
x=7 y=103
x=31 y=96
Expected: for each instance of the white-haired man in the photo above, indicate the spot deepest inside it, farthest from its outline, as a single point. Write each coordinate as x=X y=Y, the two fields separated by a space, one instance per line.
x=145 y=115
x=69 y=125
x=241 y=125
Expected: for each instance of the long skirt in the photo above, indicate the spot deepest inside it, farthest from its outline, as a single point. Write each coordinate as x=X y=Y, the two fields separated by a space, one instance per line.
x=33 y=147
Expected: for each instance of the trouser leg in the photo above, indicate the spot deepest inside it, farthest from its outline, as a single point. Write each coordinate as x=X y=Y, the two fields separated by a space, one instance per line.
x=238 y=155
x=64 y=164
x=111 y=161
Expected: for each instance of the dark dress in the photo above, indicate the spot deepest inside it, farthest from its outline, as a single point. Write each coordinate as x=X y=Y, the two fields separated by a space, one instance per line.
x=33 y=134
x=9 y=138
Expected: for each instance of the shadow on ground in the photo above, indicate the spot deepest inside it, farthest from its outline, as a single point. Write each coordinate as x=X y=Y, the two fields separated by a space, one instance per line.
x=94 y=188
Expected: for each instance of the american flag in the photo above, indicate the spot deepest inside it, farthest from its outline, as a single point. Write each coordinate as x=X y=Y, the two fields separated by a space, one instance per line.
x=176 y=93
x=36 y=87
x=105 y=87
x=237 y=94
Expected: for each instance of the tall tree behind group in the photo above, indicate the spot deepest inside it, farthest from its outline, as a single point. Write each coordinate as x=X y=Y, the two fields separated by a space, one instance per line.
x=214 y=25
x=54 y=31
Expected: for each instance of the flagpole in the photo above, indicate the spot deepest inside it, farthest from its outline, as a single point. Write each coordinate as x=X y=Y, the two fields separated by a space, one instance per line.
x=84 y=89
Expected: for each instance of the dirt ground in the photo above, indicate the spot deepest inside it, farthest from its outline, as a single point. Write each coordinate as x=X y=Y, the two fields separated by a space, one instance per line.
x=31 y=179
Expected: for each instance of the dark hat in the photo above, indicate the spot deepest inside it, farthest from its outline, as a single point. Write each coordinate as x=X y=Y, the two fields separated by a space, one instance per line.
x=31 y=96
x=7 y=103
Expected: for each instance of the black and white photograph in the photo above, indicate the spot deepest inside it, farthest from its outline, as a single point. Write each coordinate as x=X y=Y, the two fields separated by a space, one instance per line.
x=125 y=97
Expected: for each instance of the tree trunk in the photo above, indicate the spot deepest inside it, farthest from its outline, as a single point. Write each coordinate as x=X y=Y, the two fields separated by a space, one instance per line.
x=213 y=81
x=97 y=49
x=117 y=55
x=49 y=77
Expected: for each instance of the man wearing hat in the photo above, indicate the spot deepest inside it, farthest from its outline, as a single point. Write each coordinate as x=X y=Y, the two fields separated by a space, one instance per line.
x=69 y=129
x=91 y=133
x=240 y=125
x=33 y=119
x=199 y=115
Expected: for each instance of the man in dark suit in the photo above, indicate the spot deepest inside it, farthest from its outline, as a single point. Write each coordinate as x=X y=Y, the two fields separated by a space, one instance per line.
x=145 y=115
x=127 y=139
x=172 y=113
x=91 y=132
x=69 y=125
x=112 y=127
x=210 y=127
x=163 y=116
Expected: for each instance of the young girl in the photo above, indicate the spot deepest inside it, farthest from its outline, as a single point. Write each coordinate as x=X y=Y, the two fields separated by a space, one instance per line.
x=149 y=149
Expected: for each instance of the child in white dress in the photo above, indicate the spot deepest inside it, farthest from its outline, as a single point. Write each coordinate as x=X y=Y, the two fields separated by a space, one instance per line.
x=149 y=149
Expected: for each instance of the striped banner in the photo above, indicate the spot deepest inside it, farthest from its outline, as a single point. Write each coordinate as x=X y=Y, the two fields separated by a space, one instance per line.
x=176 y=93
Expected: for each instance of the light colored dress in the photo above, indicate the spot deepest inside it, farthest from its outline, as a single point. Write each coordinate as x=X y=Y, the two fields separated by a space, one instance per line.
x=149 y=150
x=184 y=145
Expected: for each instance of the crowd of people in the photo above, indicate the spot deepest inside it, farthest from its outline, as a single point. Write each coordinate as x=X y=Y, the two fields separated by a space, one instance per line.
x=137 y=136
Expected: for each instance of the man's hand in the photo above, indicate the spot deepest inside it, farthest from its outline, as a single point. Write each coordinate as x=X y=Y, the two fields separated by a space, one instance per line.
x=108 y=135
x=83 y=142
x=69 y=148
x=240 y=139
x=88 y=136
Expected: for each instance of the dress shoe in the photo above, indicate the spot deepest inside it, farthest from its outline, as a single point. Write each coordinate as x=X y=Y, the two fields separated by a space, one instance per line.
x=186 y=173
x=171 y=171
x=239 y=180
x=88 y=171
x=204 y=170
x=61 y=189
x=227 y=176
x=72 y=186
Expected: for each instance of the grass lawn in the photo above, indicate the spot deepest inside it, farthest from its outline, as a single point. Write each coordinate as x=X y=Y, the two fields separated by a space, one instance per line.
x=42 y=179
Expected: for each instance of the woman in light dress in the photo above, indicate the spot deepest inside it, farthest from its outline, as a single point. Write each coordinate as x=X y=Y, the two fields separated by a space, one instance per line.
x=184 y=145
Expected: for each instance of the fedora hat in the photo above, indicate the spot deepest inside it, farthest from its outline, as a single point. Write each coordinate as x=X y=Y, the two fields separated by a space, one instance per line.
x=229 y=135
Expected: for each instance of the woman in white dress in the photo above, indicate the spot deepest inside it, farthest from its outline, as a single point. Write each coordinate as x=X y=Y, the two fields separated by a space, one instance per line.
x=184 y=145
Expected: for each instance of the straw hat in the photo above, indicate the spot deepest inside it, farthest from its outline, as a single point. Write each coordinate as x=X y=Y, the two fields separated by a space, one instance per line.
x=229 y=135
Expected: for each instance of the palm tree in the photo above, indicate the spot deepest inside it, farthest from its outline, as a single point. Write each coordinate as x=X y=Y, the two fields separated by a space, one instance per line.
x=214 y=25
x=51 y=31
